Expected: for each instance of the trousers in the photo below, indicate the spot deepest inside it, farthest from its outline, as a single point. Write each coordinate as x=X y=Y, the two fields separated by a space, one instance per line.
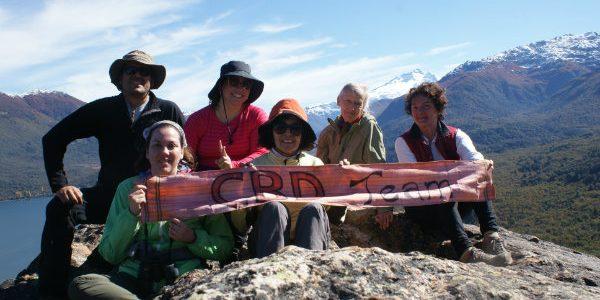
x=271 y=232
x=97 y=286
x=447 y=218
x=57 y=236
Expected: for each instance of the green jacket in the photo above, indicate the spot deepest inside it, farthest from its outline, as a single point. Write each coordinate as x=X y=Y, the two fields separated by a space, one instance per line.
x=238 y=217
x=359 y=143
x=214 y=239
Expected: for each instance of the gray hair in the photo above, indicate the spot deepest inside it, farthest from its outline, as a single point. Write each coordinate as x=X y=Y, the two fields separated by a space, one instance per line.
x=360 y=90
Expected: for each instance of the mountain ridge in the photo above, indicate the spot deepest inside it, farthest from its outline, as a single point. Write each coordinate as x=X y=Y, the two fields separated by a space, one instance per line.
x=583 y=48
x=378 y=100
x=508 y=100
x=23 y=121
x=517 y=113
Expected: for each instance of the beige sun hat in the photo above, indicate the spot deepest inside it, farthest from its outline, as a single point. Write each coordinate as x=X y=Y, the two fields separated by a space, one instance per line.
x=158 y=71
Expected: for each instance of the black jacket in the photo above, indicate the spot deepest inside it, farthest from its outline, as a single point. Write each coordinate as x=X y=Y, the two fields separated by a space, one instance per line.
x=120 y=142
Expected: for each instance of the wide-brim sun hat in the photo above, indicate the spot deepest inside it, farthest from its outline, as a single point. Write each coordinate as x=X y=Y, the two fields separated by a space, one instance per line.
x=158 y=72
x=291 y=107
x=237 y=68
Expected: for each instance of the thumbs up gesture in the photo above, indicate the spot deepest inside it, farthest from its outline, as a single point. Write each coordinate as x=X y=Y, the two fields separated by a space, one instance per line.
x=224 y=162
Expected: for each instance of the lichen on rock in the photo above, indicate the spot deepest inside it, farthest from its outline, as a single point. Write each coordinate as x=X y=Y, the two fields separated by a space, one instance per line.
x=402 y=261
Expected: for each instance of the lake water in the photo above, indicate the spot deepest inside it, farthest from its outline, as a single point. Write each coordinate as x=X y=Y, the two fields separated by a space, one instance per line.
x=21 y=223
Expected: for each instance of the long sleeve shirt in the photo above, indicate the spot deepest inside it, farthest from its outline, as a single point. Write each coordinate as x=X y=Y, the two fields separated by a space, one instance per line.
x=214 y=239
x=464 y=147
x=203 y=131
x=120 y=141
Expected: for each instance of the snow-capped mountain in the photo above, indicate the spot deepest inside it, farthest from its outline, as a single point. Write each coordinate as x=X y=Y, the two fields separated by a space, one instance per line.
x=583 y=49
x=319 y=113
x=400 y=85
x=41 y=92
x=379 y=98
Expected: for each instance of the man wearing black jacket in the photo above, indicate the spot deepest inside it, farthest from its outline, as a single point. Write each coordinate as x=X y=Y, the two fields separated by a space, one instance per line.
x=117 y=122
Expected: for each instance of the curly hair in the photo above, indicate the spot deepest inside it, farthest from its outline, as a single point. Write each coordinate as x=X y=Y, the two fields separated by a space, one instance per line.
x=430 y=90
x=265 y=137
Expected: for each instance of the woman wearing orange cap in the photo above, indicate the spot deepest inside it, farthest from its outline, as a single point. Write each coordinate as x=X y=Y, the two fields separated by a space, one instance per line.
x=288 y=136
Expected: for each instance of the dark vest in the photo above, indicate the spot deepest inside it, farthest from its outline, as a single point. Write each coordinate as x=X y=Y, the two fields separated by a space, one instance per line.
x=445 y=143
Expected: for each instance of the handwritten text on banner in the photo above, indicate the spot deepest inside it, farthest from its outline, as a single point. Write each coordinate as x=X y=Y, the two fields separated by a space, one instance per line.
x=370 y=185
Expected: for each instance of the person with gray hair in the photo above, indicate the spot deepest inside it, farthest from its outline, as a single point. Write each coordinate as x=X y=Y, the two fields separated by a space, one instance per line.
x=360 y=90
x=117 y=123
x=354 y=137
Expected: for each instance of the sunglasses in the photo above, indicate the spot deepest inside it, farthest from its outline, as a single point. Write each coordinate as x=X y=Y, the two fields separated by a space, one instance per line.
x=281 y=128
x=239 y=82
x=131 y=70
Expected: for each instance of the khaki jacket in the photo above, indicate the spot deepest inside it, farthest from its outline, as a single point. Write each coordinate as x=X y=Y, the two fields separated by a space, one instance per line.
x=361 y=143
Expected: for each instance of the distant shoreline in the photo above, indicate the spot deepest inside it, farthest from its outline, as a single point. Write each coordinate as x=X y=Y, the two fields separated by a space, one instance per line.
x=25 y=198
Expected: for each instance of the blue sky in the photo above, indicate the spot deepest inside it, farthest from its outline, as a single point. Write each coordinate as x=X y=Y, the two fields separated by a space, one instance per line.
x=301 y=49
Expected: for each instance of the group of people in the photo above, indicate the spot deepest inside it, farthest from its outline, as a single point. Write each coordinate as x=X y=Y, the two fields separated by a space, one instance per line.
x=141 y=136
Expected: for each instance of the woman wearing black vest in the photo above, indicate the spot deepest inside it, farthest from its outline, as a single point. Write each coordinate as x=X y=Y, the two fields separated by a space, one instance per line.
x=430 y=139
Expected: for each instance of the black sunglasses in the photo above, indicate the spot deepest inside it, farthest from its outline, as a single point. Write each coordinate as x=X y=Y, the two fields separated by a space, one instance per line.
x=143 y=71
x=239 y=82
x=281 y=128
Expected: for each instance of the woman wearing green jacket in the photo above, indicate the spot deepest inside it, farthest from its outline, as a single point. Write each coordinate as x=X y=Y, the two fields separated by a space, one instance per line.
x=147 y=256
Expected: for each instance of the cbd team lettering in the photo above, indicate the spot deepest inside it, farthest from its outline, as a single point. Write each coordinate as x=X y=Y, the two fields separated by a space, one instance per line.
x=271 y=182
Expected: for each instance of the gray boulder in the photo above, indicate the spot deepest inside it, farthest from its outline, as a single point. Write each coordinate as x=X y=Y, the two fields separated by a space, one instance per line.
x=403 y=261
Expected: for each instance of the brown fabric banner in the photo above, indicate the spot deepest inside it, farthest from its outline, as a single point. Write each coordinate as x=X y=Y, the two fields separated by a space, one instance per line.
x=371 y=185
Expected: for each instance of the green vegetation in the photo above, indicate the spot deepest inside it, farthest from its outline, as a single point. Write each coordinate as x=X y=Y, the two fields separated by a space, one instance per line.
x=552 y=191
x=540 y=126
x=21 y=130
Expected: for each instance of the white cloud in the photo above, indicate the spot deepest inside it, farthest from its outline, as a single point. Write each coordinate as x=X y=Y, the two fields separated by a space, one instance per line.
x=189 y=81
x=89 y=86
x=275 y=28
x=338 y=45
x=315 y=85
x=322 y=84
x=442 y=49
x=278 y=55
x=69 y=45
x=62 y=28
x=173 y=41
x=271 y=62
x=188 y=85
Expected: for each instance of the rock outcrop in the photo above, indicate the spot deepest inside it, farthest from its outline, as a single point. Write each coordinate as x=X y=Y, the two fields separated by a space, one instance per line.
x=372 y=263
x=355 y=272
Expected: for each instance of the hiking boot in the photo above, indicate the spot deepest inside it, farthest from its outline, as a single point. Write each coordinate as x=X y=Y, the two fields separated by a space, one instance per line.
x=475 y=255
x=492 y=244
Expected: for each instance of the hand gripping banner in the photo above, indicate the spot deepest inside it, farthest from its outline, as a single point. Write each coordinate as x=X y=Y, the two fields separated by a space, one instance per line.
x=356 y=186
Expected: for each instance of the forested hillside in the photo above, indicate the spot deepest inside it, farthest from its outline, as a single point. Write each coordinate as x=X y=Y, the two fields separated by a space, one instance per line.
x=23 y=122
x=534 y=110
x=552 y=191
